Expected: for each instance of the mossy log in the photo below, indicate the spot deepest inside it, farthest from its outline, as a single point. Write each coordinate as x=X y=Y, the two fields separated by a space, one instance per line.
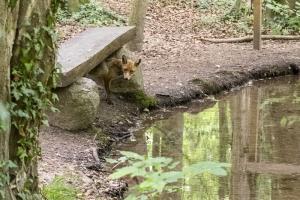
x=250 y=38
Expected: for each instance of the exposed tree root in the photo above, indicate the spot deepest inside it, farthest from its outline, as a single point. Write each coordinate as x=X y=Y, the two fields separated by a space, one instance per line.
x=250 y=38
x=95 y=155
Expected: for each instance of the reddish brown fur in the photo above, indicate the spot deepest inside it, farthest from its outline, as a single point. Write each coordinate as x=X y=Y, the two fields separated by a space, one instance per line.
x=113 y=69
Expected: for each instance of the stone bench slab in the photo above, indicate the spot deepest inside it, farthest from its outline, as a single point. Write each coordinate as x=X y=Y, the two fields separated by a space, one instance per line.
x=85 y=51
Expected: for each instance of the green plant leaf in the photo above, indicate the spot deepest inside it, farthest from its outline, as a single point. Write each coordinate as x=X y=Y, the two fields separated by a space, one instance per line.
x=172 y=177
x=123 y=172
x=111 y=161
x=132 y=155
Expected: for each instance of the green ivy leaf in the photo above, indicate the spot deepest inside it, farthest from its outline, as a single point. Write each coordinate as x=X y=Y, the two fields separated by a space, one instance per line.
x=22 y=114
x=45 y=122
x=4 y=118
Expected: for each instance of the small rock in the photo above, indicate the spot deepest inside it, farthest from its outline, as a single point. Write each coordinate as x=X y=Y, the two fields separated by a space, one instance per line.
x=146 y=110
x=78 y=105
x=89 y=192
x=95 y=167
x=86 y=179
x=128 y=121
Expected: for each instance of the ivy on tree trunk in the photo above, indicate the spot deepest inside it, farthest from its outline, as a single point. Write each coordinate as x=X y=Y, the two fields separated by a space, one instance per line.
x=27 y=75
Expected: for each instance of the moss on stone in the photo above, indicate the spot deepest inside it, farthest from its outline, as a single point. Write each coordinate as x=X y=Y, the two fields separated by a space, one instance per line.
x=140 y=98
x=100 y=137
x=209 y=87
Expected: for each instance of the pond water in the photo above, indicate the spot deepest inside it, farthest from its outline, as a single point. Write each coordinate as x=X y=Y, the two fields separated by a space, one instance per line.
x=256 y=129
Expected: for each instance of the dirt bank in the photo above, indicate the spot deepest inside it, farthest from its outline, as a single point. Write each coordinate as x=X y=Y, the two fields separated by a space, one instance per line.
x=177 y=68
x=72 y=154
x=199 y=68
x=206 y=82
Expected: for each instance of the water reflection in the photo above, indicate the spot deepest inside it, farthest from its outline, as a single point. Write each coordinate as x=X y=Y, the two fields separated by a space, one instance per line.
x=256 y=129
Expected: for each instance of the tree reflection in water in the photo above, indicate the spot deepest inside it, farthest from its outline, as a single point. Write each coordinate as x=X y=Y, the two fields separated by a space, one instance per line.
x=256 y=129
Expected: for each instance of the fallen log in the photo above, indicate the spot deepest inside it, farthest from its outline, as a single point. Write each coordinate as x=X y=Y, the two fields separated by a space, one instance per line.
x=250 y=38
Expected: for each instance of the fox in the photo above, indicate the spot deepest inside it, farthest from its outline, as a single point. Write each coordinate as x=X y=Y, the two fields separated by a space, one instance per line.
x=114 y=68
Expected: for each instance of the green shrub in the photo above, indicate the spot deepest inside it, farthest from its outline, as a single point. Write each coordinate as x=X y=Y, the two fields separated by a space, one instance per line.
x=91 y=13
x=158 y=173
x=283 y=19
x=59 y=190
x=278 y=18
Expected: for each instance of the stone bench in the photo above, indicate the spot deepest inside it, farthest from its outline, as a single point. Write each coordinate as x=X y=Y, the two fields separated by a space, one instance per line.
x=79 y=96
x=82 y=53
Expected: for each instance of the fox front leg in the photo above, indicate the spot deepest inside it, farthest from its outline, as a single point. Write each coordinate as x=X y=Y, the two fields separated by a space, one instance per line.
x=107 y=90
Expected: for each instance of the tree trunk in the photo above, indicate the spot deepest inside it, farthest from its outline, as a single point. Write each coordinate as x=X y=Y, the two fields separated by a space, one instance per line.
x=74 y=5
x=257 y=25
x=292 y=3
x=4 y=154
x=6 y=20
x=237 y=6
x=137 y=19
x=25 y=43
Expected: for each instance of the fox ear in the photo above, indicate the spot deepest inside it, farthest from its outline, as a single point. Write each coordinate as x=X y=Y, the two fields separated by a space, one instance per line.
x=124 y=59
x=137 y=63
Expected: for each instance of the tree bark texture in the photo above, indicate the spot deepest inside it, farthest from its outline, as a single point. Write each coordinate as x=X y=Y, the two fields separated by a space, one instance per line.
x=7 y=33
x=257 y=25
x=18 y=20
x=137 y=18
x=292 y=3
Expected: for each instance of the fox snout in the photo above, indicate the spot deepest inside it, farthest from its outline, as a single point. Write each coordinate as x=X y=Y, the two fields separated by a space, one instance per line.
x=129 y=67
x=127 y=76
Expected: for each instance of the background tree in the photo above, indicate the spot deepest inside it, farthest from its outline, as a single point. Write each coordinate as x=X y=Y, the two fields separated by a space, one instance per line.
x=237 y=6
x=72 y=5
x=27 y=68
x=137 y=18
x=292 y=3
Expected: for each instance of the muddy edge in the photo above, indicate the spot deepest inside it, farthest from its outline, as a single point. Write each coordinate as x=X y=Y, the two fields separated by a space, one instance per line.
x=118 y=129
x=119 y=121
x=225 y=80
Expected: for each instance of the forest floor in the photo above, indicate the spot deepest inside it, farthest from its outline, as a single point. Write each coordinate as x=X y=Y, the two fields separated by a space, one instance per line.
x=175 y=57
x=177 y=67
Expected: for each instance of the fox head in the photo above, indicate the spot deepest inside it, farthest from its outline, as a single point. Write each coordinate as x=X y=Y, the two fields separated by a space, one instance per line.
x=129 y=67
